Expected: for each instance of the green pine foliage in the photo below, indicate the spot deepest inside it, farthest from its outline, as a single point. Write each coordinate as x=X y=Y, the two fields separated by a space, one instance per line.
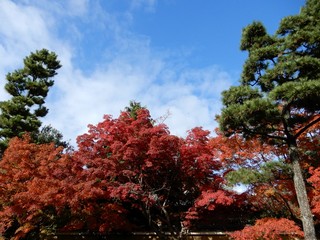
x=280 y=82
x=28 y=88
x=133 y=109
x=49 y=134
x=267 y=173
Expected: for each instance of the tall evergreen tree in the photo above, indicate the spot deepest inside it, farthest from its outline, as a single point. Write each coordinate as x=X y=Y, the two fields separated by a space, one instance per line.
x=279 y=95
x=28 y=87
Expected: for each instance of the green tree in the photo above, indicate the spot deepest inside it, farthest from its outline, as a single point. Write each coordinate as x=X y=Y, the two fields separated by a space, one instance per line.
x=28 y=87
x=133 y=109
x=279 y=96
x=49 y=134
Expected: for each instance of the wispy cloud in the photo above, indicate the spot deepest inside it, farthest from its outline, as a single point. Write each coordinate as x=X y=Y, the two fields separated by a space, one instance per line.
x=148 y=5
x=128 y=68
x=21 y=29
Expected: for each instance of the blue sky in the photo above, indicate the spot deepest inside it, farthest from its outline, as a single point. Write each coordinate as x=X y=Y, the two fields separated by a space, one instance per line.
x=174 y=56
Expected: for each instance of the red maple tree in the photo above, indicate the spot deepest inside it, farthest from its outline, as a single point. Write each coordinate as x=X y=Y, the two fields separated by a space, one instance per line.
x=139 y=165
x=311 y=142
x=269 y=228
x=35 y=183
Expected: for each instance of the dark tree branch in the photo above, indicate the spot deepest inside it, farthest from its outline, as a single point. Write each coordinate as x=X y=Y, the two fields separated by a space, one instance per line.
x=302 y=130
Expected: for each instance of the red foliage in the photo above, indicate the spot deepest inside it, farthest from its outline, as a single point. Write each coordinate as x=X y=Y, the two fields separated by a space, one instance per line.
x=126 y=171
x=315 y=181
x=209 y=199
x=310 y=143
x=274 y=196
x=141 y=166
x=269 y=228
x=236 y=151
x=33 y=178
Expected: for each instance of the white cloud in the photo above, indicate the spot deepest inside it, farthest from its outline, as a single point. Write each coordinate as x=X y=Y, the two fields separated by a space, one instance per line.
x=78 y=7
x=192 y=97
x=22 y=29
x=132 y=71
x=148 y=5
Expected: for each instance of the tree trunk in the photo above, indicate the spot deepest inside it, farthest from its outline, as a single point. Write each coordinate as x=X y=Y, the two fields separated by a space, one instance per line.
x=300 y=187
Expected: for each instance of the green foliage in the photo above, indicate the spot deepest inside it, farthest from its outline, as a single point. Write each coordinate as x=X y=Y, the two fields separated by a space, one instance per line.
x=254 y=115
x=28 y=87
x=133 y=109
x=255 y=36
x=48 y=134
x=280 y=79
x=303 y=94
x=240 y=94
x=267 y=173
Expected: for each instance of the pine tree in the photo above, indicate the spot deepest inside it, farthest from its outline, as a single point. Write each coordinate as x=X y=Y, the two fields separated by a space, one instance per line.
x=48 y=134
x=133 y=108
x=28 y=87
x=279 y=95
